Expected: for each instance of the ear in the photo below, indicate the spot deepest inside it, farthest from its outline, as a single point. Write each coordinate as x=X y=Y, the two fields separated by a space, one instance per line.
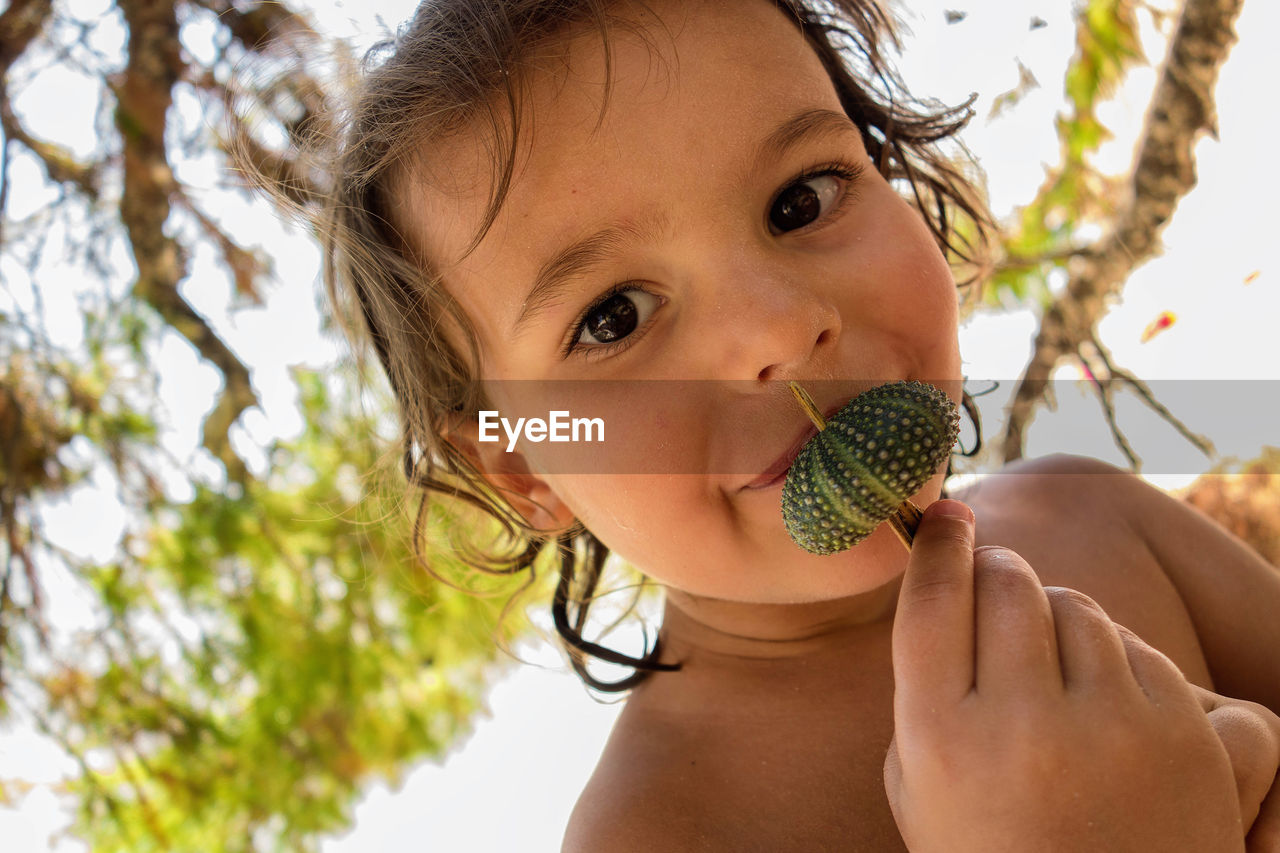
x=511 y=476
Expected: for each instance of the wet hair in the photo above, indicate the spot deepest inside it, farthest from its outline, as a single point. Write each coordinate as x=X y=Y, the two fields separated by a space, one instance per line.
x=456 y=68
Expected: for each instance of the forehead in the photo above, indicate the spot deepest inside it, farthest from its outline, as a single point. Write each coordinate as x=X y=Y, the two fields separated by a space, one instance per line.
x=686 y=88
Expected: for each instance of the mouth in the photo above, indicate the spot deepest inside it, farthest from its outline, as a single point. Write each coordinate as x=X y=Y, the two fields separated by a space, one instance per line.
x=776 y=473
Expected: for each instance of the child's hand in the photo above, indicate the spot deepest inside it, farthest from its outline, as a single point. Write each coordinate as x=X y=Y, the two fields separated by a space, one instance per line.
x=1024 y=719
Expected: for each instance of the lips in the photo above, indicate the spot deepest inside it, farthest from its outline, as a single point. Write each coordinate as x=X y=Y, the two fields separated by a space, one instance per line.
x=777 y=470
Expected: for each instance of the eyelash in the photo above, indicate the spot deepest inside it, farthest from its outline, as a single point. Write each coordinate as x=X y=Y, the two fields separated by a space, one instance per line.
x=847 y=172
x=570 y=347
x=850 y=173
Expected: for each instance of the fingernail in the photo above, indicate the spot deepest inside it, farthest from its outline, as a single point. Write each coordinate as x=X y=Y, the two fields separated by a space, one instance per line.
x=952 y=509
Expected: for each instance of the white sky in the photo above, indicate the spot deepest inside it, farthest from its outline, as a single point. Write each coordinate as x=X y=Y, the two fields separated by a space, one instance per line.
x=511 y=784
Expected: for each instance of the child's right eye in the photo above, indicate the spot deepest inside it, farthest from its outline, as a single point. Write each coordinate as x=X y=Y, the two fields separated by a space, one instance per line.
x=613 y=317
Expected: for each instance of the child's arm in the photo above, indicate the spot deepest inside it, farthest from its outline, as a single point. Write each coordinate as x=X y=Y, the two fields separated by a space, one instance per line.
x=1024 y=713
x=1231 y=594
x=1233 y=598
x=1152 y=562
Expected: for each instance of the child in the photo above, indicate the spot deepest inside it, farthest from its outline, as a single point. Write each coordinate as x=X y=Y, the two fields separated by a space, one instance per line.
x=543 y=205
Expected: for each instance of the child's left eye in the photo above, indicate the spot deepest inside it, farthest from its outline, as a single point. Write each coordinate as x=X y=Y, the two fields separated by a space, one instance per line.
x=809 y=198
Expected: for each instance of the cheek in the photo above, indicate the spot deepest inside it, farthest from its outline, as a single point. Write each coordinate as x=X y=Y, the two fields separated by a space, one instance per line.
x=666 y=526
x=932 y=292
x=938 y=309
x=610 y=428
x=920 y=299
x=644 y=491
x=925 y=266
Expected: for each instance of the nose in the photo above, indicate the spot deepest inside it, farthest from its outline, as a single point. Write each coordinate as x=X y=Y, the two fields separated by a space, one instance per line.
x=773 y=325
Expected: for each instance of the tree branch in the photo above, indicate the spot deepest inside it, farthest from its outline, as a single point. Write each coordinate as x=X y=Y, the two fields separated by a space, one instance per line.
x=258 y=24
x=1164 y=171
x=1018 y=262
x=144 y=93
x=21 y=24
x=58 y=162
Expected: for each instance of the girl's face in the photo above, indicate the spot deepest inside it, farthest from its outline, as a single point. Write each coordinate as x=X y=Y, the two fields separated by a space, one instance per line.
x=721 y=228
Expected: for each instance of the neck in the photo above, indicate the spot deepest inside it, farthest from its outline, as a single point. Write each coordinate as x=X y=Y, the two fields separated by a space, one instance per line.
x=761 y=659
x=732 y=631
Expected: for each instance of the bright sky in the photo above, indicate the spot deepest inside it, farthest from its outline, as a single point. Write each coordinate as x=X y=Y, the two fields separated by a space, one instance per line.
x=511 y=784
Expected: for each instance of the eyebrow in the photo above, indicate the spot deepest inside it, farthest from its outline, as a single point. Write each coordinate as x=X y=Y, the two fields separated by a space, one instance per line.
x=579 y=259
x=582 y=256
x=801 y=127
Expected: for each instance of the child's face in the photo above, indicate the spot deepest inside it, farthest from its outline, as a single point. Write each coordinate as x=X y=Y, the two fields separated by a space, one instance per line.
x=742 y=252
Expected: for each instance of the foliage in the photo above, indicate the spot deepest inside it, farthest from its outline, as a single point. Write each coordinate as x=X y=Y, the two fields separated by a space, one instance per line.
x=1045 y=234
x=266 y=653
x=1245 y=501
x=262 y=641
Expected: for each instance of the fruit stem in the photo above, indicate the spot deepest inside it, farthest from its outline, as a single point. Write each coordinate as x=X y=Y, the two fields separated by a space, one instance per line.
x=905 y=520
x=806 y=403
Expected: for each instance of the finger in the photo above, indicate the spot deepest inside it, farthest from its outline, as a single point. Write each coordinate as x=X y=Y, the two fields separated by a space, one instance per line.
x=1090 y=650
x=1264 y=835
x=933 y=627
x=1016 y=649
x=1251 y=735
x=1157 y=675
x=1252 y=750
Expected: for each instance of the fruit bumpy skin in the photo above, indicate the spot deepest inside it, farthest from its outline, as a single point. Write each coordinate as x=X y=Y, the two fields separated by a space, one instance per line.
x=873 y=454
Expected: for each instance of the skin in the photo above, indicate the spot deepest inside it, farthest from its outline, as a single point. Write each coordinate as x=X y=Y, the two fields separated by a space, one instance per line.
x=987 y=661
x=798 y=670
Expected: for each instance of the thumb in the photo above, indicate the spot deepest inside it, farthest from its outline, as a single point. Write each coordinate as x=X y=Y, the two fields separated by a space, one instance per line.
x=933 y=628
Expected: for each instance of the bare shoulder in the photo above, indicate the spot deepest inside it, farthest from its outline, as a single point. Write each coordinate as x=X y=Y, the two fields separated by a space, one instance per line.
x=1073 y=519
x=608 y=821
x=1156 y=564
x=676 y=785
x=632 y=801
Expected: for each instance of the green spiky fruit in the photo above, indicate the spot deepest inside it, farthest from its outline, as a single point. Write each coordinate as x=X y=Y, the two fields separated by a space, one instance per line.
x=864 y=463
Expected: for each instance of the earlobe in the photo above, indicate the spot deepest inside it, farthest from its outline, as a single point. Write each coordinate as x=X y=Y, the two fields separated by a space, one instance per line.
x=510 y=475
x=530 y=495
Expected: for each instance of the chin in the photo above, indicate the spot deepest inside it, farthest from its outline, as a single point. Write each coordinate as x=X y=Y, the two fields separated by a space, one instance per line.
x=795 y=576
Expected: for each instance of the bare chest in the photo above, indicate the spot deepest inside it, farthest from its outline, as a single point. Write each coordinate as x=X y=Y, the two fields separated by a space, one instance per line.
x=817 y=785
x=798 y=769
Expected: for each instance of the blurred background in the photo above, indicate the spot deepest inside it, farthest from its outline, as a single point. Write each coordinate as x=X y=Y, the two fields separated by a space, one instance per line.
x=212 y=632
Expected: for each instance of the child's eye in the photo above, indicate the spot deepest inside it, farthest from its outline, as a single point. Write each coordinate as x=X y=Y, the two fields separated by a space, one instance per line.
x=809 y=198
x=614 y=317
